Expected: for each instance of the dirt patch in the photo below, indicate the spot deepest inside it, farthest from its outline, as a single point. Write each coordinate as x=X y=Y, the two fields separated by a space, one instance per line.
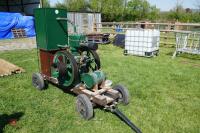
x=14 y=44
x=190 y=63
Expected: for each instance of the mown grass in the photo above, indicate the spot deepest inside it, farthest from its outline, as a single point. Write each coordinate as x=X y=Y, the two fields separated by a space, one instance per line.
x=165 y=96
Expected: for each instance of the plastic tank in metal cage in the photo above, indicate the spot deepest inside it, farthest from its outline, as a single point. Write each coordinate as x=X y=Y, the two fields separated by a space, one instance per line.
x=142 y=42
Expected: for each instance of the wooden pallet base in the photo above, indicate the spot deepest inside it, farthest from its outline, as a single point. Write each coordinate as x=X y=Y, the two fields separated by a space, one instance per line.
x=102 y=96
x=18 y=33
x=99 y=95
x=7 y=68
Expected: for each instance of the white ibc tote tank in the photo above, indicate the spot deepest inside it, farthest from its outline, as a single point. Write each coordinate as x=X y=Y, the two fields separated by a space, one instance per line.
x=142 y=42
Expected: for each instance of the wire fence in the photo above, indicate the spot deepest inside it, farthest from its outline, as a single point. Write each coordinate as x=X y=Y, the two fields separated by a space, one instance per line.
x=168 y=30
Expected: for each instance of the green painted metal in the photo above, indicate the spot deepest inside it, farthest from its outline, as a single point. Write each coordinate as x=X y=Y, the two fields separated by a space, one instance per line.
x=75 y=39
x=51 y=29
x=51 y=34
x=74 y=42
x=91 y=79
x=68 y=79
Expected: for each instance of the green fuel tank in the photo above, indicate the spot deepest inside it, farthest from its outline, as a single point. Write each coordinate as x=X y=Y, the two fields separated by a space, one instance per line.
x=91 y=79
x=51 y=32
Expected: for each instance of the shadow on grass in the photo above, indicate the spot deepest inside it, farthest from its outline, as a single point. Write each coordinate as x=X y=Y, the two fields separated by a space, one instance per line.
x=190 y=56
x=185 y=55
x=9 y=119
x=64 y=88
x=170 y=53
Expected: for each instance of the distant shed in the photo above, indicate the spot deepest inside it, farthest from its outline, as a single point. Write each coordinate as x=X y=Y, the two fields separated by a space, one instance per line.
x=85 y=21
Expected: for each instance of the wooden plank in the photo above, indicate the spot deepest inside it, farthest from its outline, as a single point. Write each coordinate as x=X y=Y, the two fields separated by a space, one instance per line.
x=113 y=93
x=98 y=92
x=148 y=23
x=170 y=43
x=96 y=96
x=109 y=99
x=98 y=99
x=7 y=68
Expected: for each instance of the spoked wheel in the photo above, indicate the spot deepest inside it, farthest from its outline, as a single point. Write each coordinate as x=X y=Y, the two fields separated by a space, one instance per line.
x=84 y=106
x=93 y=59
x=124 y=94
x=38 y=81
x=66 y=67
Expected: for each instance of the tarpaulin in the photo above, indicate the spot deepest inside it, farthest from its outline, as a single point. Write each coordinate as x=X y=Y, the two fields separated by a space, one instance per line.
x=119 y=40
x=9 y=21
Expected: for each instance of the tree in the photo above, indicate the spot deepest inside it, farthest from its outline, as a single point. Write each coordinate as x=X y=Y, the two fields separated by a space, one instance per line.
x=114 y=10
x=140 y=10
x=154 y=13
x=73 y=5
x=111 y=10
x=96 y=5
x=61 y=5
x=45 y=3
x=177 y=13
x=76 y=5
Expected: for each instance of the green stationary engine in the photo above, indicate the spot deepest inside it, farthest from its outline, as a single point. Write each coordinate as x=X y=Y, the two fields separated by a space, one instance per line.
x=74 y=60
x=71 y=63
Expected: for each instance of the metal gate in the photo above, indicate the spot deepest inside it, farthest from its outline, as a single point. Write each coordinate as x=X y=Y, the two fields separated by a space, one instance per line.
x=187 y=42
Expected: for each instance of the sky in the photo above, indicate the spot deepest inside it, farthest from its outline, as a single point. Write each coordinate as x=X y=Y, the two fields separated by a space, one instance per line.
x=164 y=5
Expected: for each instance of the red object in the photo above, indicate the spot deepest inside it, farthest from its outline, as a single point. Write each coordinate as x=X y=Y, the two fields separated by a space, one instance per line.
x=13 y=122
x=46 y=59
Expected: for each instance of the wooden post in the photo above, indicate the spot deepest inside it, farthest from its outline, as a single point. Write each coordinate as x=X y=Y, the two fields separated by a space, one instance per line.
x=94 y=23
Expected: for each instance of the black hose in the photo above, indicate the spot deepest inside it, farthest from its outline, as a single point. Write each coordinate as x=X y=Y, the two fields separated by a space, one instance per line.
x=126 y=120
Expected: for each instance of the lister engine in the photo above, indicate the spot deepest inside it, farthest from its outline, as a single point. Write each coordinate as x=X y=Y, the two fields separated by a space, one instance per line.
x=71 y=63
x=66 y=60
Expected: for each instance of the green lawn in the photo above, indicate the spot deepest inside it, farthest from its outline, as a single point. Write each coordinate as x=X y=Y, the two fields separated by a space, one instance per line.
x=165 y=96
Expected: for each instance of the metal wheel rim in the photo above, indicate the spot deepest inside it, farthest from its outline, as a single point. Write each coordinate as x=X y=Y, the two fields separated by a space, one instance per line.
x=36 y=82
x=81 y=108
x=120 y=97
x=70 y=76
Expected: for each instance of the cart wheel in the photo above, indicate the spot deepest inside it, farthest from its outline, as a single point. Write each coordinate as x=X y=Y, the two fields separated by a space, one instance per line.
x=125 y=52
x=157 y=53
x=84 y=106
x=38 y=81
x=124 y=94
x=67 y=68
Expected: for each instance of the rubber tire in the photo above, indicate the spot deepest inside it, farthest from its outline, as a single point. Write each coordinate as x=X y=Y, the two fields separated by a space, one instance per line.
x=88 y=114
x=124 y=94
x=125 y=53
x=38 y=81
